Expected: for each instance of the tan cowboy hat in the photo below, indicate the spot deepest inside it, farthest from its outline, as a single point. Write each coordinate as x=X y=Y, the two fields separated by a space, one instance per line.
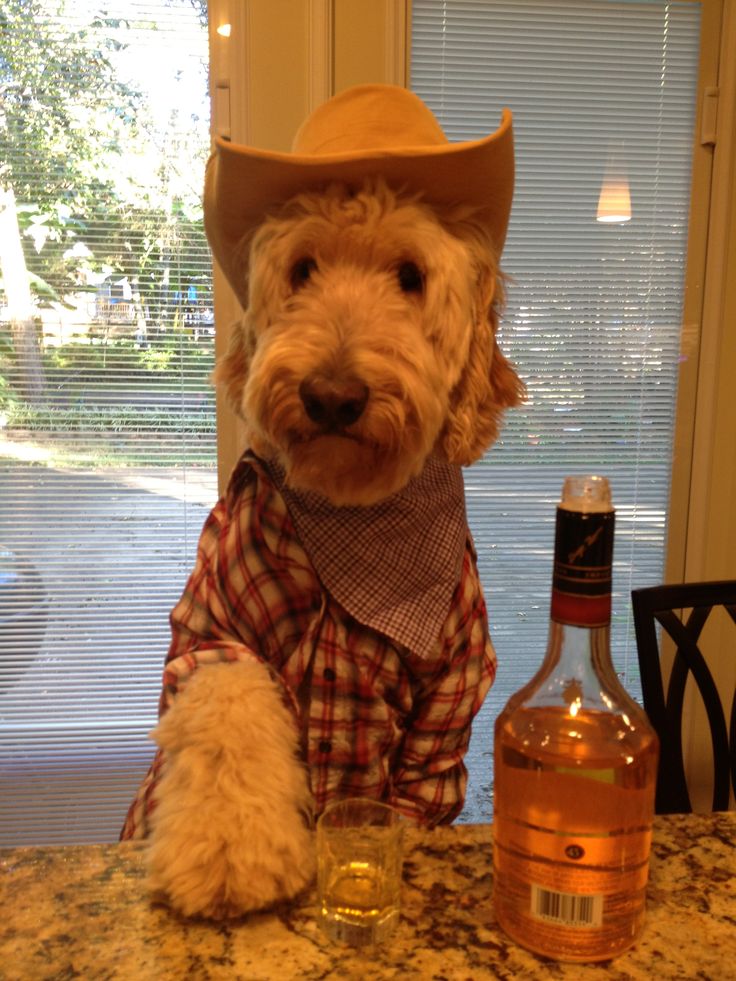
x=363 y=131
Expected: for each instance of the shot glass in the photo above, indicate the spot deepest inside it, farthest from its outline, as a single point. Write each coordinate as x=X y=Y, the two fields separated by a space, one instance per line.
x=359 y=858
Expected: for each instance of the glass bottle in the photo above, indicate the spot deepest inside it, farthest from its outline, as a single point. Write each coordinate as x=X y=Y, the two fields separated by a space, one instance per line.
x=575 y=765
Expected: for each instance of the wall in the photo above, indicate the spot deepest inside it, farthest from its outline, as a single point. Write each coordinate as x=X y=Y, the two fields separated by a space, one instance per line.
x=712 y=527
x=711 y=539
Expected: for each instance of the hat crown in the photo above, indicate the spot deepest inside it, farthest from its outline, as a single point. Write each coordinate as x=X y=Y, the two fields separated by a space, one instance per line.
x=363 y=132
x=369 y=118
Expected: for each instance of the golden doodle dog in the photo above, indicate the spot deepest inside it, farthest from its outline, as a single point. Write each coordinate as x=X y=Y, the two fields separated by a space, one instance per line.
x=332 y=639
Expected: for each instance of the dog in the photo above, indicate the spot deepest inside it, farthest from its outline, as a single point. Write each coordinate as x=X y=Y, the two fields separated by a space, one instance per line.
x=332 y=640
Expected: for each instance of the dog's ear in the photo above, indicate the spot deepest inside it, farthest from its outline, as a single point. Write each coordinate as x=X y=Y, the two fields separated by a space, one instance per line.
x=488 y=384
x=231 y=371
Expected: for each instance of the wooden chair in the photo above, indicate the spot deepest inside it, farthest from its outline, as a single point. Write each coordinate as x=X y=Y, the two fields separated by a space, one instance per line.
x=660 y=605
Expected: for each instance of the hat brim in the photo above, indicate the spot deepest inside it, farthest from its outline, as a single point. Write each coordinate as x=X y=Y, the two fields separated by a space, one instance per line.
x=243 y=184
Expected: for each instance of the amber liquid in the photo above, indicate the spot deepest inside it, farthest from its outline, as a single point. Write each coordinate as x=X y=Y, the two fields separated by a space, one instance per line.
x=573 y=806
x=360 y=903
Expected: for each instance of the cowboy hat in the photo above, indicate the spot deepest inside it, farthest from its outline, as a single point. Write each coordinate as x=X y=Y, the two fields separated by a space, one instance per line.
x=364 y=131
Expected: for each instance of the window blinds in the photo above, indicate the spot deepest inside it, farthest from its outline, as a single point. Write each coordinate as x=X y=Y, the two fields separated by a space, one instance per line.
x=107 y=431
x=601 y=92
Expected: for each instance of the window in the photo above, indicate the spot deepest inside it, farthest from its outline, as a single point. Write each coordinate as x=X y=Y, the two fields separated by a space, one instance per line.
x=602 y=92
x=107 y=431
x=107 y=443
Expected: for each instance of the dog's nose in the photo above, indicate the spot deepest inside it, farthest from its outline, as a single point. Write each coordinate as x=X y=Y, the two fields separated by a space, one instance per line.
x=333 y=404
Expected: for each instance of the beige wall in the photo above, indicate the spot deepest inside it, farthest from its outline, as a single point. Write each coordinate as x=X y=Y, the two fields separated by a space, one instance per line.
x=712 y=527
x=711 y=538
x=370 y=42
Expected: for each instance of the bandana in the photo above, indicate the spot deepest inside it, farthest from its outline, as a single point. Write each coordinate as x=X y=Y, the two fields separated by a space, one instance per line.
x=394 y=566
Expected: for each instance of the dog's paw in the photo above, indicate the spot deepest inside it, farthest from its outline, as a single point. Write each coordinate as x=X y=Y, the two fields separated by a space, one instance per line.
x=230 y=825
x=203 y=871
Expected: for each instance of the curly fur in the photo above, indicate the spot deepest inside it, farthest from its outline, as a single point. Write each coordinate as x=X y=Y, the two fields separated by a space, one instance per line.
x=435 y=379
x=230 y=827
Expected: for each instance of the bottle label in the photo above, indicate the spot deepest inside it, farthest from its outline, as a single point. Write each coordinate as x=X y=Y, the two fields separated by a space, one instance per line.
x=566 y=908
x=570 y=908
x=571 y=843
x=581 y=580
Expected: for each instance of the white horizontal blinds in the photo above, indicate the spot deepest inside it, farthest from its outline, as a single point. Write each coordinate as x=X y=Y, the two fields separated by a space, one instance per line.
x=107 y=428
x=594 y=310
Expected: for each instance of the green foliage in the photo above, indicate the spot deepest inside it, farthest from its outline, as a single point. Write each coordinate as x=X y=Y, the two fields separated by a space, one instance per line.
x=116 y=419
x=6 y=392
x=117 y=404
x=79 y=147
x=61 y=105
x=157 y=361
x=173 y=361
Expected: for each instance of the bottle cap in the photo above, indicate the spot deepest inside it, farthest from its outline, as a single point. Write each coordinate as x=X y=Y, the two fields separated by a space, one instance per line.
x=588 y=493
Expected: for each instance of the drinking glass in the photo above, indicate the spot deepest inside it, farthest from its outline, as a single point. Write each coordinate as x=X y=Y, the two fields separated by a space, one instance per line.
x=359 y=858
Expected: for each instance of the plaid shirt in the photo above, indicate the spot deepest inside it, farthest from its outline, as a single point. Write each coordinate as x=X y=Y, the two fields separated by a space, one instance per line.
x=376 y=720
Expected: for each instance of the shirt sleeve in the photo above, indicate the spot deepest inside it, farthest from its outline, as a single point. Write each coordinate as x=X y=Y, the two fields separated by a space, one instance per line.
x=203 y=630
x=206 y=628
x=430 y=777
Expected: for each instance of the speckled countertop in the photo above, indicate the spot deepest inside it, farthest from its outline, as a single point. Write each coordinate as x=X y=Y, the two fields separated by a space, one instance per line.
x=83 y=912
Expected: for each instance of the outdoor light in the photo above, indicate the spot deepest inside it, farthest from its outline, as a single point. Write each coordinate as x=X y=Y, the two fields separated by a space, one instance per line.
x=224 y=30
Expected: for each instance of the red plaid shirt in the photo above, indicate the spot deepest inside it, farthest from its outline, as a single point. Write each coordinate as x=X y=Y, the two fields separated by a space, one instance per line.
x=376 y=720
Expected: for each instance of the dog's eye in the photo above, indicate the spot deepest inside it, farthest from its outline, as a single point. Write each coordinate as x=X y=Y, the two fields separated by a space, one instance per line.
x=410 y=278
x=301 y=271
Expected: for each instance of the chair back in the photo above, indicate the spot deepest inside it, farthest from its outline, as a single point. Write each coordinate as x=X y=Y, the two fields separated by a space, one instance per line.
x=682 y=611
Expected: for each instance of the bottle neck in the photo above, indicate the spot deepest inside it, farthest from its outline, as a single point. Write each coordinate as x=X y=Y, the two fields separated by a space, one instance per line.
x=579 y=658
x=581 y=580
x=577 y=668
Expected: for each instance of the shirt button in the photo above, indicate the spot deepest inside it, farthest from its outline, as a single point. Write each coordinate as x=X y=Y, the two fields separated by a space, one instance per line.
x=328 y=674
x=325 y=746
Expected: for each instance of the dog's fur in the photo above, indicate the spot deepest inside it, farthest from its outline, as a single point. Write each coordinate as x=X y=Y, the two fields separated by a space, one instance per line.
x=231 y=771
x=367 y=345
x=436 y=381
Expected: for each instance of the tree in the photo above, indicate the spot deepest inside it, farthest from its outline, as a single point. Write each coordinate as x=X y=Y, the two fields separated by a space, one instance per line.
x=61 y=109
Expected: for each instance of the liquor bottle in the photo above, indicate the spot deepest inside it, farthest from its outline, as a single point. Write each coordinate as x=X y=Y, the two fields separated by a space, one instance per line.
x=575 y=763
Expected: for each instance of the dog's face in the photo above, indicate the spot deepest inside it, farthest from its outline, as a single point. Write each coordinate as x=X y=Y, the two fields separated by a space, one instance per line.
x=368 y=343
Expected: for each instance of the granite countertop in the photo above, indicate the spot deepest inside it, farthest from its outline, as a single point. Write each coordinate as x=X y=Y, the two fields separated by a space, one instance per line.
x=84 y=912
